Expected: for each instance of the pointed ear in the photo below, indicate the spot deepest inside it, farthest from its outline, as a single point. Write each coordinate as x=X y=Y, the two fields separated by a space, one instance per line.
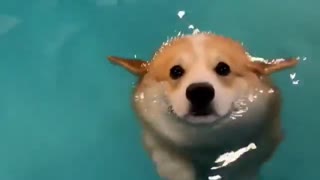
x=262 y=68
x=135 y=66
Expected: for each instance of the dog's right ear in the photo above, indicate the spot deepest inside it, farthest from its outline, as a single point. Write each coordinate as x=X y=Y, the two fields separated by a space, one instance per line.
x=135 y=66
x=262 y=68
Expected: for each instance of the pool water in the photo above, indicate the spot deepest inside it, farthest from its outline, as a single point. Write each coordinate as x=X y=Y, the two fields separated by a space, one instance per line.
x=65 y=112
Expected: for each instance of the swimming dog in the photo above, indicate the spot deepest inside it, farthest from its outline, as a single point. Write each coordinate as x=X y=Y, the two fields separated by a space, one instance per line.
x=200 y=96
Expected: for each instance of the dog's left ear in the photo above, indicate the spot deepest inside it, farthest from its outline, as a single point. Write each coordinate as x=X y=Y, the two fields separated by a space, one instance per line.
x=135 y=66
x=262 y=68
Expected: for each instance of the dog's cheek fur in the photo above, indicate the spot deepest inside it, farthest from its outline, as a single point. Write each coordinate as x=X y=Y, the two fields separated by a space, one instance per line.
x=197 y=74
x=225 y=96
x=179 y=101
x=149 y=100
x=153 y=109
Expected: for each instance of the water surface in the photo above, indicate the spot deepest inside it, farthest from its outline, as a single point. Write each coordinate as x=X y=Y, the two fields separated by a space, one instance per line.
x=65 y=112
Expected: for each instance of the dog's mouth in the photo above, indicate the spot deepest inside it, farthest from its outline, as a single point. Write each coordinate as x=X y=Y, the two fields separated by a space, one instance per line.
x=201 y=116
x=201 y=111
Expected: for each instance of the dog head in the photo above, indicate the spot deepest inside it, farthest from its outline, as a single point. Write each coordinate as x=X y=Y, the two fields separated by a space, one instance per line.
x=201 y=81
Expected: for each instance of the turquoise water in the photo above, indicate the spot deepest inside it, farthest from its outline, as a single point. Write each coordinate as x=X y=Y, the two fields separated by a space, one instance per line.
x=65 y=112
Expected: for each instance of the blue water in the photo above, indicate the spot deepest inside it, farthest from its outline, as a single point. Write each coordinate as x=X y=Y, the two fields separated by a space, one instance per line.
x=65 y=112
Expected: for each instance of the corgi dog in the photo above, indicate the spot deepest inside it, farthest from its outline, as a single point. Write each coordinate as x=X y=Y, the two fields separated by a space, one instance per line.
x=201 y=96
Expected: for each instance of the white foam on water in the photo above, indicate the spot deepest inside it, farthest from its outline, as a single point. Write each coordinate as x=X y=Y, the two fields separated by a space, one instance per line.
x=216 y=177
x=271 y=91
x=191 y=26
x=232 y=156
x=181 y=14
x=196 y=31
x=293 y=75
x=296 y=82
x=293 y=79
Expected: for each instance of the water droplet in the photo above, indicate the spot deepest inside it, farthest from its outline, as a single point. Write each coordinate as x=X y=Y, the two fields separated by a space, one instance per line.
x=295 y=82
x=196 y=31
x=216 y=177
x=191 y=26
x=271 y=91
x=181 y=14
x=293 y=75
x=251 y=98
x=141 y=96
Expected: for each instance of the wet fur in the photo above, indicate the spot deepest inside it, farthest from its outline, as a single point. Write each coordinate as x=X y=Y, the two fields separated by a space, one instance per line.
x=191 y=152
x=186 y=151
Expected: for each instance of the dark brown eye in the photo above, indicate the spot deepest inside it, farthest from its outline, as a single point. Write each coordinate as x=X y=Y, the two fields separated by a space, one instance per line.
x=176 y=72
x=222 y=69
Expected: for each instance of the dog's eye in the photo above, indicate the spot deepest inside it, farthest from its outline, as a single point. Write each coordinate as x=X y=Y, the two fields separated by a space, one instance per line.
x=176 y=72
x=222 y=69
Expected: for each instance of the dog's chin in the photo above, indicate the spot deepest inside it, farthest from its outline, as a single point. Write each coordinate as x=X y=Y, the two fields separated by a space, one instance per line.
x=206 y=119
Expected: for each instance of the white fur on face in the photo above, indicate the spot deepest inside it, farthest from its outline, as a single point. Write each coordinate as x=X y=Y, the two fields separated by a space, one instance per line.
x=197 y=71
x=153 y=102
x=154 y=99
x=222 y=103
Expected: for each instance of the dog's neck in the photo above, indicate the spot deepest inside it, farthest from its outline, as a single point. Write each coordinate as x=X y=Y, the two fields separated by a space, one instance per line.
x=204 y=157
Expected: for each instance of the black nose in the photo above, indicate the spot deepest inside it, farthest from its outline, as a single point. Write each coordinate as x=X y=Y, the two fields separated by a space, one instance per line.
x=200 y=94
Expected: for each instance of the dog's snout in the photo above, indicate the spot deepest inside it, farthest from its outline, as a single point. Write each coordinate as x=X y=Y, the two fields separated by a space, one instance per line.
x=200 y=94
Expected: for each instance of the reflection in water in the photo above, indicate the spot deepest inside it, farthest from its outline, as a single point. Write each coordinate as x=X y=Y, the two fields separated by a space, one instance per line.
x=294 y=81
x=216 y=177
x=7 y=23
x=230 y=157
x=181 y=14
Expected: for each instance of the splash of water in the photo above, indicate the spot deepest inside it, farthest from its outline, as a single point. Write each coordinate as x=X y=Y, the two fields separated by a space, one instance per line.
x=191 y=26
x=216 y=177
x=232 y=156
x=181 y=14
x=241 y=107
x=270 y=91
